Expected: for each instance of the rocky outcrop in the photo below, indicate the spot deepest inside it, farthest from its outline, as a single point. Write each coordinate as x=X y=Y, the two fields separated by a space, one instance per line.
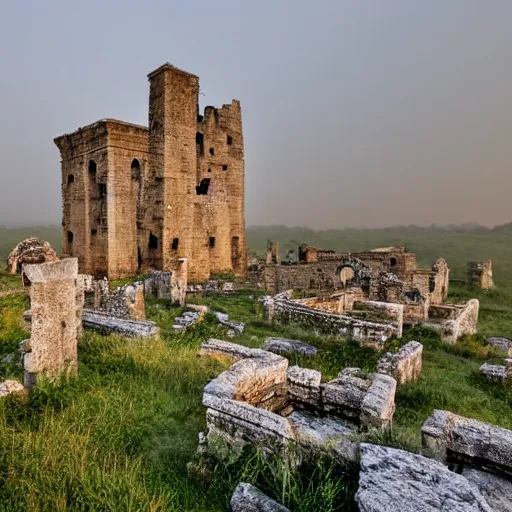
x=392 y=479
x=30 y=251
x=448 y=437
x=284 y=346
x=404 y=365
x=248 y=498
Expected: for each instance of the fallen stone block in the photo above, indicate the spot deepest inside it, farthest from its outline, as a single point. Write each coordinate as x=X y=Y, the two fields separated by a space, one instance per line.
x=392 y=479
x=10 y=387
x=495 y=372
x=404 y=365
x=234 y=328
x=248 y=498
x=496 y=491
x=285 y=346
x=378 y=405
x=324 y=434
x=503 y=344
x=112 y=325
x=450 y=438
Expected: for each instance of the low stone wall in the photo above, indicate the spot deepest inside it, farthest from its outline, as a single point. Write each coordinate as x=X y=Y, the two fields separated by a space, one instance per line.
x=405 y=365
x=169 y=285
x=259 y=399
x=453 y=320
x=107 y=324
x=284 y=310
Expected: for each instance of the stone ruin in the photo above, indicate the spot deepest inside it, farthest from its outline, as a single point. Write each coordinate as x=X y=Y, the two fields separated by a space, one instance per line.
x=55 y=320
x=480 y=274
x=405 y=365
x=371 y=322
x=30 y=251
x=260 y=399
x=169 y=285
x=465 y=466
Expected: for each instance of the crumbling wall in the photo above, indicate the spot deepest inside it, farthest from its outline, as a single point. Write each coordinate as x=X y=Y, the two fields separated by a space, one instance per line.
x=453 y=320
x=480 y=274
x=169 y=285
x=439 y=282
x=404 y=365
x=52 y=348
x=30 y=251
x=138 y=200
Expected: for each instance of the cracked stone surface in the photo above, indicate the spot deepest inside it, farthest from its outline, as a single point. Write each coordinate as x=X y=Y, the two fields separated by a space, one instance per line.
x=248 y=498
x=285 y=346
x=395 y=480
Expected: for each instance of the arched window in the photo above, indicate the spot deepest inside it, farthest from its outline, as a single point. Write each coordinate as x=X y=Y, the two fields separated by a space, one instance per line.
x=135 y=168
x=92 y=166
x=71 y=179
x=211 y=242
x=392 y=262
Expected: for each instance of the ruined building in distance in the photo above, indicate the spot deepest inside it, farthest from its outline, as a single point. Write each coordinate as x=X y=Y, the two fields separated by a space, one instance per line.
x=137 y=199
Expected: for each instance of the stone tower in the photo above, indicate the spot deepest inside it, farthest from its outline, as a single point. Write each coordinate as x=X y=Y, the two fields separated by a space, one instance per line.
x=137 y=199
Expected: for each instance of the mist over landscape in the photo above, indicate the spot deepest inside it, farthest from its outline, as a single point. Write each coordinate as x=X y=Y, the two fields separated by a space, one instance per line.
x=355 y=114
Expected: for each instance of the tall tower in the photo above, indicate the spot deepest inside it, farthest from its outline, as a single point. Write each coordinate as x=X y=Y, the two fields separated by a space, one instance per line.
x=166 y=234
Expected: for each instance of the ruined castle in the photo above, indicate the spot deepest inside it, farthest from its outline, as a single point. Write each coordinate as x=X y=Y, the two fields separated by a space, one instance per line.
x=136 y=198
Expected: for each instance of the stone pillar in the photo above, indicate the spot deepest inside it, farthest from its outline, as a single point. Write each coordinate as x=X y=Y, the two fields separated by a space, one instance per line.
x=480 y=274
x=52 y=348
x=273 y=256
x=181 y=281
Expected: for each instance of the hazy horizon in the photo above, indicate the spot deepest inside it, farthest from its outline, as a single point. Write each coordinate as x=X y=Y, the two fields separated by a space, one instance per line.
x=356 y=114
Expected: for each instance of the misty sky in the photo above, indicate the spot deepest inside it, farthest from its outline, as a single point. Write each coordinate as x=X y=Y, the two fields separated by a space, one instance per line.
x=356 y=112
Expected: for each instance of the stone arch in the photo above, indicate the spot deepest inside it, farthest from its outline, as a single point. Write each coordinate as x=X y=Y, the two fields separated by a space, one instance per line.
x=361 y=271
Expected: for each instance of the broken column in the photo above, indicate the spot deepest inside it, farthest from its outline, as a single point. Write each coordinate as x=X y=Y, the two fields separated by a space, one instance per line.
x=273 y=256
x=52 y=348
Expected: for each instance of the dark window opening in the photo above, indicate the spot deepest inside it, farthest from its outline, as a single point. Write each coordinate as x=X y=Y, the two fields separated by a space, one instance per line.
x=159 y=178
x=135 y=168
x=229 y=140
x=211 y=242
x=94 y=232
x=209 y=170
x=153 y=241
x=70 y=237
x=102 y=189
x=199 y=118
x=175 y=243
x=92 y=166
x=202 y=188
x=139 y=258
x=431 y=284
x=225 y=167
x=392 y=262
x=212 y=151
x=71 y=179
x=199 y=144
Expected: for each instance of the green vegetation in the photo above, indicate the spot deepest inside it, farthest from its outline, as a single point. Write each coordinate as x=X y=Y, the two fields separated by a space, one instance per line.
x=120 y=436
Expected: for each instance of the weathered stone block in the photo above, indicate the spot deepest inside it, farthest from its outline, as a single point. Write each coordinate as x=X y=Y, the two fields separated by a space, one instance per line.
x=285 y=346
x=496 y=491
x=304 y=387
x=248 y=498
x=378 y=405
x=449 y=437
x=392 y=479
x=502 y=344
x=404 y=365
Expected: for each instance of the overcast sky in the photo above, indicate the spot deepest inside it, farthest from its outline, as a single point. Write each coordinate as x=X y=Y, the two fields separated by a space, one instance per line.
x=356 y=112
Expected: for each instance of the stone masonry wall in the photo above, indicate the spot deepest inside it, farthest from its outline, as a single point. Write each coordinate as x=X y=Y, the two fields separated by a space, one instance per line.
x=138 y=200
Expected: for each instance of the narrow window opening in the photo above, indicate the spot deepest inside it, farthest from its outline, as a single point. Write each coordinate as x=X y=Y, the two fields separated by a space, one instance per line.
x=202 y=188
x=209 y=170
x=212 y=151
x=92 y=167
x=70 y=237
x=175 y=243
x=94 y=232
x=159 y=178
x=225 y=167
x=211 y=242
x=199 y=144
x=71 y=179
x=229 y=140
x=102 y=188
x=392 y=262
x=135 y=169
x=153 y=241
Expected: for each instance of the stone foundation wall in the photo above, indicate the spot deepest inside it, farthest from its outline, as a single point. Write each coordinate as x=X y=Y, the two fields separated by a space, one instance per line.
x=453 y=320
x=480 y=274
